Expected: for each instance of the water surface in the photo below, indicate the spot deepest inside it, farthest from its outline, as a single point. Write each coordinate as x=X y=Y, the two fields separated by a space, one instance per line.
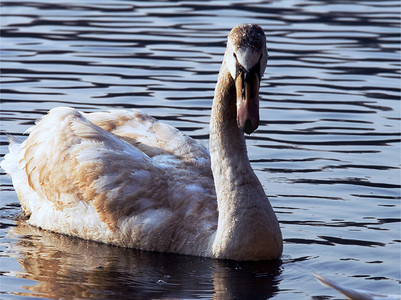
x=327 y=150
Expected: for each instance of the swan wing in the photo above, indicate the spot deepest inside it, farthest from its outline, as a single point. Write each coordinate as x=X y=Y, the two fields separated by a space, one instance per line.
x=77 y=178
x=151 y=136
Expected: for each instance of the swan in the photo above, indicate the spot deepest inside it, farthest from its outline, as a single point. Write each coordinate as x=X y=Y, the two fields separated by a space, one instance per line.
x=123 y=178
x=354 y=294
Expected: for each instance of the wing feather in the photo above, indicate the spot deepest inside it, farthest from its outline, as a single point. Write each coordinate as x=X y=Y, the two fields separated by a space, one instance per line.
x=118 y=177
x=151 y=136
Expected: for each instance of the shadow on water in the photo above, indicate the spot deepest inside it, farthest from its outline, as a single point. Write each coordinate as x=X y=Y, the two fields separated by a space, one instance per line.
x=66 y=267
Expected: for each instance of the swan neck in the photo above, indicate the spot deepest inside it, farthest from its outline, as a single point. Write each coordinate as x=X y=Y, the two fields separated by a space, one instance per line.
x=247 y=226
x=227 y=141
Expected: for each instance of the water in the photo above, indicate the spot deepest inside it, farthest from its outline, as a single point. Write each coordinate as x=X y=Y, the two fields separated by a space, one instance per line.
x=327 y=150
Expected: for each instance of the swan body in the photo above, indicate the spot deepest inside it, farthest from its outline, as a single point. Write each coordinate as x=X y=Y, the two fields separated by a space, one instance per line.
x=122 y=177
x=355 y=294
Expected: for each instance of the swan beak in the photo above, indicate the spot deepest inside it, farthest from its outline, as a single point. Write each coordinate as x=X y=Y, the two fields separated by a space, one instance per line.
x=247 y=87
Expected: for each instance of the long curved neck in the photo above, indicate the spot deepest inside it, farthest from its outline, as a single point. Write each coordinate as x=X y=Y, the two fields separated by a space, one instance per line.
x=247 y=227
x=227 y=142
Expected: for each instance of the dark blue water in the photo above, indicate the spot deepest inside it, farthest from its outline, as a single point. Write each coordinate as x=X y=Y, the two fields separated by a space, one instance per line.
x=327 y=150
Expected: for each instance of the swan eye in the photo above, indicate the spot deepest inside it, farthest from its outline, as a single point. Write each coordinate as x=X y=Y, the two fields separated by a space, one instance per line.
x=238 y=67
x=256 y=68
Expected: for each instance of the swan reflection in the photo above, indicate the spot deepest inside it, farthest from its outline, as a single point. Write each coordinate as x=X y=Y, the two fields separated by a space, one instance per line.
x=66 y=267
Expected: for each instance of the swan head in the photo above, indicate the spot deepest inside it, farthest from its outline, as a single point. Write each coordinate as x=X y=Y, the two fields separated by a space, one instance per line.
x=246 y=58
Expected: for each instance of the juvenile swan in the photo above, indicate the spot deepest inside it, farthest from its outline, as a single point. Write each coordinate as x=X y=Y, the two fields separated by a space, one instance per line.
x=122 y=177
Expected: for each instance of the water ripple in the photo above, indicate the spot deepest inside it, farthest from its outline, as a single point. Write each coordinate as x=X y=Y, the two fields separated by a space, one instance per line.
x=327 y=149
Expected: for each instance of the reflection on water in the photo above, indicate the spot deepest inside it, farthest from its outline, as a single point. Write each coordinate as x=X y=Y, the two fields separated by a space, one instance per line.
x=88 y=270
x=327 y=150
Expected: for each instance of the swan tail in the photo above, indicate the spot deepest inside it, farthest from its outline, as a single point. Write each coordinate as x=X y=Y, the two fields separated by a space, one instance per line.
x=10 y=161
x=11 y=165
